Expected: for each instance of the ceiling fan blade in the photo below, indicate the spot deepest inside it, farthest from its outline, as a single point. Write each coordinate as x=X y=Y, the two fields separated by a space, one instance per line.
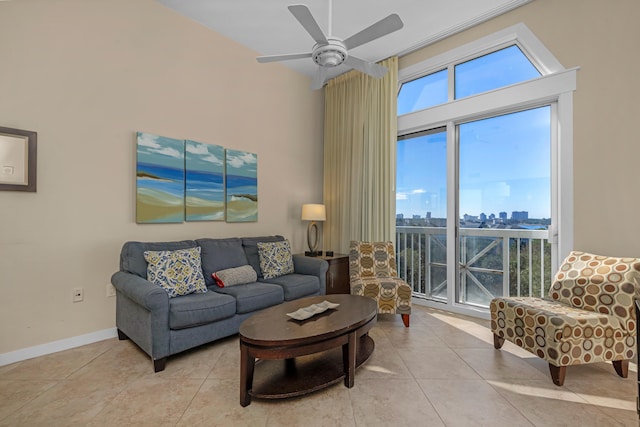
x=274 y=58
x=319 y=78
x=381 y=28
x=374 y=70
x=306 y=19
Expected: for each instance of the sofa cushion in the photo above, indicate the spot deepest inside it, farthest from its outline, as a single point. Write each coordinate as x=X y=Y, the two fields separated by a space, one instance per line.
x=220 y=254
x=235 y=276
x=275 y=259
x=254 y=296
x=200 y=309
x=178 y=272
x=296 y=285
x=250 y=245
x=132 y=254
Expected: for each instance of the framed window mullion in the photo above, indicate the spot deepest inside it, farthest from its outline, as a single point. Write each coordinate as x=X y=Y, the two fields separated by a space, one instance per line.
x=453 y=230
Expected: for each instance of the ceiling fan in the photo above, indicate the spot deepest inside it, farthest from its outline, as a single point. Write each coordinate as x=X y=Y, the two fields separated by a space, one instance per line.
x=329 y=52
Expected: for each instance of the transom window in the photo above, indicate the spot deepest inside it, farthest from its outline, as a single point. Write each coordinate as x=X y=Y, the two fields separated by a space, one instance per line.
x=494 y=70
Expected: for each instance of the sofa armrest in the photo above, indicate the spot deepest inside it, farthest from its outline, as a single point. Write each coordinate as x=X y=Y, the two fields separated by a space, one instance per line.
x=141 y=291
x=313 y=267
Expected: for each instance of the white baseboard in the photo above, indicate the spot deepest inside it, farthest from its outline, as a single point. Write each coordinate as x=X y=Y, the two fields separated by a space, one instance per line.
x=56 y=346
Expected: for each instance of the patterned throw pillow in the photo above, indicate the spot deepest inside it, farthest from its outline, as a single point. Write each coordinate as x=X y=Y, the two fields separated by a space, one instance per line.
x=178 y=272
x=275 y=259
x=235 y=276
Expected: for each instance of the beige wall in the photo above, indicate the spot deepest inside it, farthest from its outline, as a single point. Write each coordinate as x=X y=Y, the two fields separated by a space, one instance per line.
x=86 y=75
x=602 y=39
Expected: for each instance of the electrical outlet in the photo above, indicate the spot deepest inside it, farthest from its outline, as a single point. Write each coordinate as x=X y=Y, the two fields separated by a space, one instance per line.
x=111 y=291
x=78 y=294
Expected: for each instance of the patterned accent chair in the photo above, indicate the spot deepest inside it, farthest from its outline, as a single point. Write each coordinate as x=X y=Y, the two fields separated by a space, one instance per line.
x=588 y=316
x=373 y=273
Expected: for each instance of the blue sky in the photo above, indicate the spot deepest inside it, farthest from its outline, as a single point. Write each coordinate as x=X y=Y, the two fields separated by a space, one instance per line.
x=504 y=162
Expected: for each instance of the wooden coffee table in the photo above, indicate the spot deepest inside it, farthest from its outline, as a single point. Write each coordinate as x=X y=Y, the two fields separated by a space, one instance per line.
x=297 y=357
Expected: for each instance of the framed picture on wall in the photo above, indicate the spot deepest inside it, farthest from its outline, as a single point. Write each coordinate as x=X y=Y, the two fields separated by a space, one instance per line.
x=159 y=179
x=204 y=181
x=241 y=178
x=18 y=159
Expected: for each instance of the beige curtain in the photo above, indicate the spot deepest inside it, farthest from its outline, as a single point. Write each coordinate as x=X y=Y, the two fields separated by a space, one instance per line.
x=360 y=130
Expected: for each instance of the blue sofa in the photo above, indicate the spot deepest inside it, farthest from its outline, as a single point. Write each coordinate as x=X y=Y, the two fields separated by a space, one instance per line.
x=163 y=326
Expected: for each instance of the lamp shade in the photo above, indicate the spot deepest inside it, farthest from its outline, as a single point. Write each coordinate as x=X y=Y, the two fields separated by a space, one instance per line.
x=312 y=212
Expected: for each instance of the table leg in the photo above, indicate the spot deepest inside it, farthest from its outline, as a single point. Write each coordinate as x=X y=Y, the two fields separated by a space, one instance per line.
x=349 y=359
x=247 y=365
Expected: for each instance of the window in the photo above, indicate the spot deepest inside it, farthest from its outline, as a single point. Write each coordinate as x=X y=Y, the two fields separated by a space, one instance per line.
x=495 y=70
x=504 y=194
x=481 y=160
x=424 y=92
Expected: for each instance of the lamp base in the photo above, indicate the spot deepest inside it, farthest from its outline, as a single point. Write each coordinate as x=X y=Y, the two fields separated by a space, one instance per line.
x=313 y=253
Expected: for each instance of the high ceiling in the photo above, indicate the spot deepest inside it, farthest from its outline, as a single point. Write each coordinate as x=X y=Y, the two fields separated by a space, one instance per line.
x=268 y=27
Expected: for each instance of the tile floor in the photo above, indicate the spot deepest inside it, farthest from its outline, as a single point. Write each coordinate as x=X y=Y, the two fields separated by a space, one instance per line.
x=443 y=371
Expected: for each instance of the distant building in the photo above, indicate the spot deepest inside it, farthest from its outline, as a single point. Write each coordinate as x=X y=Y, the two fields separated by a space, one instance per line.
x=417 y=217
x=483 y=217
x=428 y=215
x=503 y=216
x=399 y=216
x=519 y=215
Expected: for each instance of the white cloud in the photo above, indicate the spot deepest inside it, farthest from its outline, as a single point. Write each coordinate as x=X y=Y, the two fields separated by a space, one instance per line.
x=401 y=196
x=241 y=160
x=212 y=159
x=148 y=140
x=197 y=148
x=167 y=151
x=202 y=151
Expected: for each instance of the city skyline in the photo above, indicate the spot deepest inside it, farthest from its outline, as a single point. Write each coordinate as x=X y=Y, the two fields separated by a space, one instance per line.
x=482 y=216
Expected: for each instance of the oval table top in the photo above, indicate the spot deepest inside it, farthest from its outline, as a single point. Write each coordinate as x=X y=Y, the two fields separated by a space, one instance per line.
x=272 y=326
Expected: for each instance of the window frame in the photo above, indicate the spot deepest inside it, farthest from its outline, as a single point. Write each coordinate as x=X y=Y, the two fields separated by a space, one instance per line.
x=555 y=88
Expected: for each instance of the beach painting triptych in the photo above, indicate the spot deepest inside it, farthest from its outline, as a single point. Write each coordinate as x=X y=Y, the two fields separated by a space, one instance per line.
x=183 y=180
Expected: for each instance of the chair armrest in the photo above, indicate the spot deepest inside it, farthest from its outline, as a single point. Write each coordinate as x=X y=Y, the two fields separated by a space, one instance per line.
x=141 y=291
x=313 y=267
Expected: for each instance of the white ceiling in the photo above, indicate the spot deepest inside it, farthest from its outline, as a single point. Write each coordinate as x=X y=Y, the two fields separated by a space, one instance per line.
x=268 y=27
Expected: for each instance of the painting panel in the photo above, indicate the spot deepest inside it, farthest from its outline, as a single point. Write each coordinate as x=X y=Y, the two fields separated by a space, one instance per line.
x=204 y=178
x=241 y=179
x=159 y=179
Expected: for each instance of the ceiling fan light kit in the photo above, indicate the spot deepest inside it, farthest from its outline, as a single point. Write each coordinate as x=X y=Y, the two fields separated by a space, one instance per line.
x=330 y=52
x=330 y=55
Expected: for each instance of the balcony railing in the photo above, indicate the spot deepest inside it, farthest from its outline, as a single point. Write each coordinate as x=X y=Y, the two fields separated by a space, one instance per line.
x=492 y=262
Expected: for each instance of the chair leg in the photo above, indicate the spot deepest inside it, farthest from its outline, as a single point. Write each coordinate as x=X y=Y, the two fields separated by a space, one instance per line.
x=405 y=319
x=621 y=367
x=557 y=374
x=497 y=341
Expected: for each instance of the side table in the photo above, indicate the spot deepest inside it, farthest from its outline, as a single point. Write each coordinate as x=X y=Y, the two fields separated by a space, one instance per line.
x=337 y=274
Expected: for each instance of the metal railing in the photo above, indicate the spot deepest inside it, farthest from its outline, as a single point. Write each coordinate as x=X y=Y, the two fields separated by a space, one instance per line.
x=492 y=262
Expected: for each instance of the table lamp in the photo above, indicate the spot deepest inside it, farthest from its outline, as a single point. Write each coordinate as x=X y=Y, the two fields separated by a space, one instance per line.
x=313 y=213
